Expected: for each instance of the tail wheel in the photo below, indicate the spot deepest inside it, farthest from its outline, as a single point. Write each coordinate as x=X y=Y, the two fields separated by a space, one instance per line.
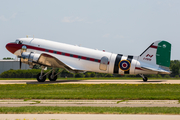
x=51 y=78
x=145 y=79
x=41 y=79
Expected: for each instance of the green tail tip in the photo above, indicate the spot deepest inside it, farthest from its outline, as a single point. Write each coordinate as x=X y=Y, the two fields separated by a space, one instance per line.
x=163 y=54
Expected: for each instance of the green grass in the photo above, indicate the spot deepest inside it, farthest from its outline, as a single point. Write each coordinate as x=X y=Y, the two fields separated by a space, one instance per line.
x=121 y=101
x=36 y=102
x=91 y=91
x=89 y=110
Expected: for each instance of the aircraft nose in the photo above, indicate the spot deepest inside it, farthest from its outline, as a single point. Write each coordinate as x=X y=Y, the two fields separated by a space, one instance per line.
x=11 y=47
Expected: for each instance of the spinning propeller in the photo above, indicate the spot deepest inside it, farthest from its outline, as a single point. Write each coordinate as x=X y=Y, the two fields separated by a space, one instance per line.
x=23 y=49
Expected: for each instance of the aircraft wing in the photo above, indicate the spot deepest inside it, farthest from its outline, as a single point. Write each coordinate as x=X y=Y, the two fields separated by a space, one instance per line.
x=158 y=68
x=51 y=61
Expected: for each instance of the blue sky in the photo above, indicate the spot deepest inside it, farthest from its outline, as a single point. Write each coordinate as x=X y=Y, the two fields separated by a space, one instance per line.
x=118 y=26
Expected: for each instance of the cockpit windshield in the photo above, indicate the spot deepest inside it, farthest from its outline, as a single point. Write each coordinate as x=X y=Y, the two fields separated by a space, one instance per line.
x=18 y=42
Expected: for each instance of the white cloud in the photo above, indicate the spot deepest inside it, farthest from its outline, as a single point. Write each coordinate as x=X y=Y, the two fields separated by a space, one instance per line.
x=72 y=19
x=2 y=18
x=14 y=15
x=114 y=36
x=106 y=35
x=168 y=3
x=95 y=21
x=78 y=19
x=100 y=21
x=119 y=36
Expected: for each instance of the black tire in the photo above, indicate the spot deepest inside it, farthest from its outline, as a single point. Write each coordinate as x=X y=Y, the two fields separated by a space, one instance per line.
x=145 y=79
x=52 y=79
x=42 y=79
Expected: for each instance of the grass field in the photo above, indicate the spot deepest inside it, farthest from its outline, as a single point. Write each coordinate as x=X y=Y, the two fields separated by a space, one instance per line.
x=91 y=91
x=89 y=110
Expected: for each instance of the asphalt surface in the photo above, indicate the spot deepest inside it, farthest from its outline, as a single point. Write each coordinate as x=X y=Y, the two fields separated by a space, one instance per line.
x=91 y=82
x=89 y=103
x=86 y=117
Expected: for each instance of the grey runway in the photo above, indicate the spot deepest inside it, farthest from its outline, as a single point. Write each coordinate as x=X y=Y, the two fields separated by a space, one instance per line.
x=91 y=82
x=86 y=117
x=89 y=103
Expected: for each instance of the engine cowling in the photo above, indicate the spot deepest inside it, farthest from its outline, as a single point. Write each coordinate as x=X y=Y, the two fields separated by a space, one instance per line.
x=30 y=58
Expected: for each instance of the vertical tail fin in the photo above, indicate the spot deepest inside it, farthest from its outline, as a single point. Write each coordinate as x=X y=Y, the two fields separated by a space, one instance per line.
x=163 y=54
x=158 y=53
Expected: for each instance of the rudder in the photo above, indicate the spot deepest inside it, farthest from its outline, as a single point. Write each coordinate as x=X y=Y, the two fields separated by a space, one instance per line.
x=158 y=53
x=163 y=54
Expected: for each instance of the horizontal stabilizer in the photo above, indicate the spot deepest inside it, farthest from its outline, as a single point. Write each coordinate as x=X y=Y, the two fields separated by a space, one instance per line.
x=160 y=71
x=152 y=68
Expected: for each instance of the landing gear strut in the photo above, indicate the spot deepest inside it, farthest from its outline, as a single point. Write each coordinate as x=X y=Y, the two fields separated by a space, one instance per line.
x=144 y=78
x=41 y=77
x=52 y=76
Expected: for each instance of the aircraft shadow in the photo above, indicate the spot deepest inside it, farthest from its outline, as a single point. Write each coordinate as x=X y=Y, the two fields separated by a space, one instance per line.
x=52 y=82
x=151 y=81
x=93 y=81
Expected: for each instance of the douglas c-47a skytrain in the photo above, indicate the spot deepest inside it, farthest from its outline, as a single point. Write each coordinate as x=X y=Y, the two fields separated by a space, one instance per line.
x=154 y=60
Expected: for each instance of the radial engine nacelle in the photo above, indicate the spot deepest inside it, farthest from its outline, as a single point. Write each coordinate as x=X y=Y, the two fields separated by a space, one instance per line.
x=30 y=58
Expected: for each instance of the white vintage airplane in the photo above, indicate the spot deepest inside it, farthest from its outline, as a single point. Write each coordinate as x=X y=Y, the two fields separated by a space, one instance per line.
x=154 y=60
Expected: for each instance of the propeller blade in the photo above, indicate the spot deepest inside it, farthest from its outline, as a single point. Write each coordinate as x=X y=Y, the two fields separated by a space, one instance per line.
x=20 y=64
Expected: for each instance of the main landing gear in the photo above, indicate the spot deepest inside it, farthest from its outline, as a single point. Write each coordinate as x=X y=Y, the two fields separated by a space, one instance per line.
x=144 y=78
x=41 y=77
x=52 y=76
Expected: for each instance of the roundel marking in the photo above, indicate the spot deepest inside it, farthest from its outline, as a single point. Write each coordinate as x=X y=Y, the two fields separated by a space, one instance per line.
x=124 y=65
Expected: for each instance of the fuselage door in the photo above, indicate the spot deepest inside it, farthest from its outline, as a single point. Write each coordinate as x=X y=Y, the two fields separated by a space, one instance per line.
x=103 y=63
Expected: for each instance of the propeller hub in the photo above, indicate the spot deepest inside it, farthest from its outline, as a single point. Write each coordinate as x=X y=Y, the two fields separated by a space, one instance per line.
x=23 y=49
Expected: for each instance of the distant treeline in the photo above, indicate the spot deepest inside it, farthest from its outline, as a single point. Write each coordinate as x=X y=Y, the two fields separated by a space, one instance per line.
x=174 y=67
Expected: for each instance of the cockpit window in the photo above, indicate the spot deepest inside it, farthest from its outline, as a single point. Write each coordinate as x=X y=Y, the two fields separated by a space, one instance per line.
x=18 y=42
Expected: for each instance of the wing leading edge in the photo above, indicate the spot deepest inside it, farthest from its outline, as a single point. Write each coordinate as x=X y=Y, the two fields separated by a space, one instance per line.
x=51 y=61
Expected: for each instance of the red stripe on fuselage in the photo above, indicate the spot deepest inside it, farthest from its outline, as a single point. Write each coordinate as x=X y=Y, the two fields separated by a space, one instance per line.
x=75 y=56
x=35 y=48
x=91 y=59
x=59 y=53
x=82 y=57
x=51 y=51
x=13 y=47
x=67 y=54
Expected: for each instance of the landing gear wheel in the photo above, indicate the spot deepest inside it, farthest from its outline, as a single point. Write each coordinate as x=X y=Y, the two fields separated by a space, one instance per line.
x=41 y=79
x=145 y=79
x=52 y=78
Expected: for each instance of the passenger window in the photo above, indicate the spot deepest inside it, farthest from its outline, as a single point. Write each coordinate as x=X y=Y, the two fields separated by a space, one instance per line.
x=103 y=63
